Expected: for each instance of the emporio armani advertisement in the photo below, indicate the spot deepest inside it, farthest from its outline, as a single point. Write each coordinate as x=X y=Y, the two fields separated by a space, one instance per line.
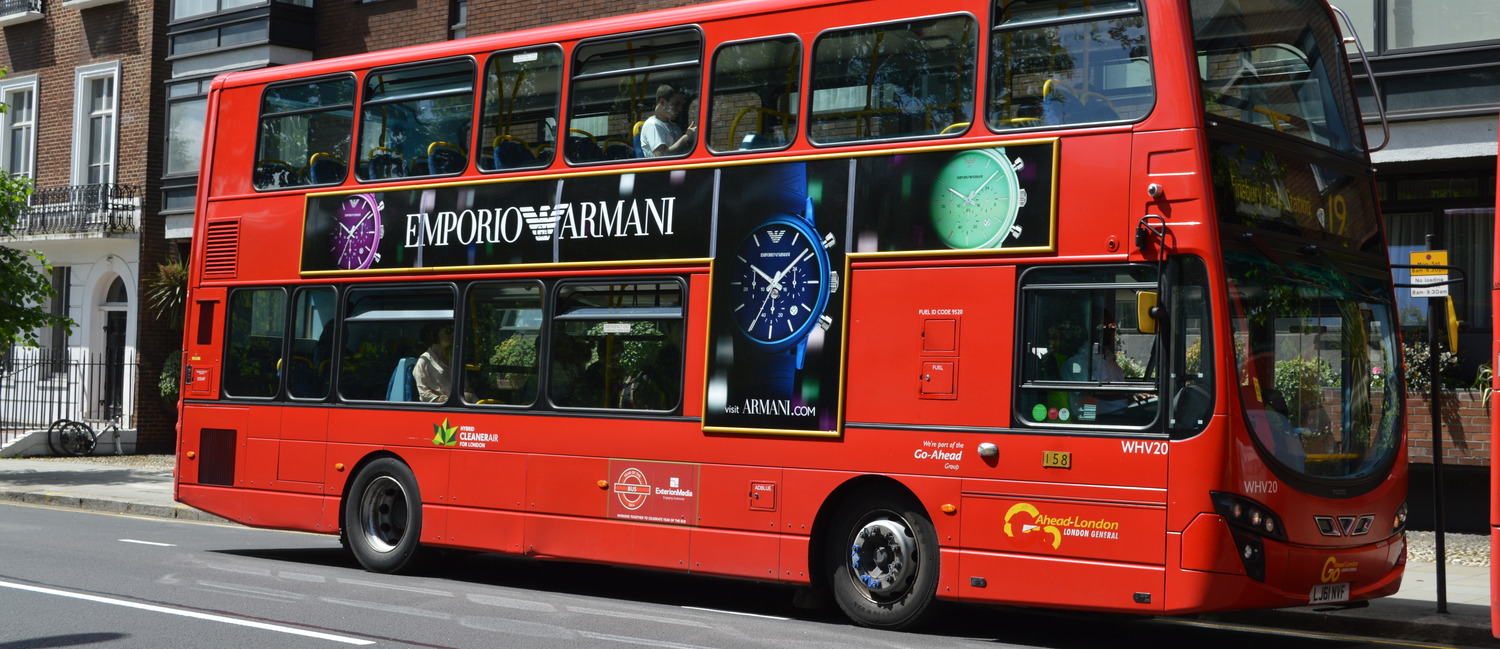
x=778 y=232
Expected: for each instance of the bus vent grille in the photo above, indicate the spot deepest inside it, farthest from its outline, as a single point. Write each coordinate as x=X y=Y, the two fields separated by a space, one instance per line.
x=222 y=249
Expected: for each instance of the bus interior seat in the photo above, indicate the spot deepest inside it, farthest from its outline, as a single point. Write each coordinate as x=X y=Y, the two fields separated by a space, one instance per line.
x=582 y=149
x=616 y=149
x=635 y=139
x=271 y=173
x=418 y=166
x=512 y=152
x=402 y=386
x=326 y=169
x=756 y=141
x=385 y=163
x=446 y=158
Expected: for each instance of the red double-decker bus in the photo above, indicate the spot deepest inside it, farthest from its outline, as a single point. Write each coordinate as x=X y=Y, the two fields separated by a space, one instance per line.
x=962 y=301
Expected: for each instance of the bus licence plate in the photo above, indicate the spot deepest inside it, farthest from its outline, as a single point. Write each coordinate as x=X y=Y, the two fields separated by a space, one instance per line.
x=1327 y=593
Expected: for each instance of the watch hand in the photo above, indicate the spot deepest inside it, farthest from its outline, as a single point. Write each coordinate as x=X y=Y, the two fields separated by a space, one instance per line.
x=967 y=199
x=771 y=282
x=777 y=280
x=982 y=185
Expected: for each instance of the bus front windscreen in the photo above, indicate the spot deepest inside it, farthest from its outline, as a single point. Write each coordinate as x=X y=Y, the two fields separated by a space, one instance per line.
x=1279 y=65
x=1316 y=357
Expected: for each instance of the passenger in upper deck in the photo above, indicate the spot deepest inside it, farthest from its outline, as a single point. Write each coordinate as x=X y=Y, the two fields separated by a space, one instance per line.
x=661 y=135
x=433 y=372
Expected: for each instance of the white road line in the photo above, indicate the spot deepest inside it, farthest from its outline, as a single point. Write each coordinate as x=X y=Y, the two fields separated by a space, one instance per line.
x=715 y=610
x=162 y=545
x=185 y=613
x=404 y=589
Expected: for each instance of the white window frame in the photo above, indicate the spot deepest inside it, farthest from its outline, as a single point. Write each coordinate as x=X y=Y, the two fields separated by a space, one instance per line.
x=81 y=116
x=8 y=89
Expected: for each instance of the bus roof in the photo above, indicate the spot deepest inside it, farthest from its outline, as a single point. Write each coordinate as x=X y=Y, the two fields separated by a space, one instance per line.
x=622 y=24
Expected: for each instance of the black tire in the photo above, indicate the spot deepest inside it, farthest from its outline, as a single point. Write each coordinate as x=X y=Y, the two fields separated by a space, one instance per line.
x=882 y=562
x=383 y=516
x=68 y=437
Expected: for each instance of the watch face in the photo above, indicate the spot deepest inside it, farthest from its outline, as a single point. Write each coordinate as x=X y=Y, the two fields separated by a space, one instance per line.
x=779 y=286
x=975 y=199
x=356 y=237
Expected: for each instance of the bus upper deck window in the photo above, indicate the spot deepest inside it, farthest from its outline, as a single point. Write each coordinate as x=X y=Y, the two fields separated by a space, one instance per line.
x=416 y=121
x=304 y=136
x=901 y=80
x=614 y=94
x=1054 y=62
x=755 y=87
x=522 y=93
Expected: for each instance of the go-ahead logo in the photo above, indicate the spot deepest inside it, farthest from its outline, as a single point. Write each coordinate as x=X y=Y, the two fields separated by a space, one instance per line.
x=1025 y=518
x=1333 y=569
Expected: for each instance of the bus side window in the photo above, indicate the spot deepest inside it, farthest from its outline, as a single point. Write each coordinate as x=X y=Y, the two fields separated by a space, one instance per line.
x=252 y=342
x=899 y=80
x=311 y=364
x=614 y=92
x=304 y=134
x=755 y=87
x=617 y=346
x=1086 y=361
x=522 y=96
x=1055 y=62
x=386 y=331
x=501 y=329
x=416 y=121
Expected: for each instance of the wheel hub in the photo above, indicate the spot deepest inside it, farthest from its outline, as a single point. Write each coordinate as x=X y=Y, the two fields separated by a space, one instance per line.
x=384 y=510
x=881 y=556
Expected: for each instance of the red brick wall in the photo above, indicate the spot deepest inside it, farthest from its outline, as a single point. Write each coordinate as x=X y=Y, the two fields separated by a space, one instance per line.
x=351 y=28
x=1465 y=429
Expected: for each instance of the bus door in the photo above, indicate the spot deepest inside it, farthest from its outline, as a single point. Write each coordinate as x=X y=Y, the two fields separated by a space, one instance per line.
x=1078 y=494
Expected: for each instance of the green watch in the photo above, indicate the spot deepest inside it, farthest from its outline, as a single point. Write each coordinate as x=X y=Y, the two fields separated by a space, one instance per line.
x=975 y=199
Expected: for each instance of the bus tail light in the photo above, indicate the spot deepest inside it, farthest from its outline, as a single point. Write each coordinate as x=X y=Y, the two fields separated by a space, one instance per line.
x=1250 y=523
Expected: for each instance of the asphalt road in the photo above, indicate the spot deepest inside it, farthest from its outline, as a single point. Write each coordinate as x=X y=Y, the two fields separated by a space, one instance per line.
x=73 y=578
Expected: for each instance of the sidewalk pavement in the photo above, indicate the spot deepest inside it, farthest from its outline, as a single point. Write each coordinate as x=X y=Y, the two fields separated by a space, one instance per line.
x=1409 y=615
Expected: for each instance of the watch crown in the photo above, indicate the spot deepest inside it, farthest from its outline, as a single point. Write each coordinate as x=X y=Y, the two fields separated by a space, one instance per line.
x=833 y=282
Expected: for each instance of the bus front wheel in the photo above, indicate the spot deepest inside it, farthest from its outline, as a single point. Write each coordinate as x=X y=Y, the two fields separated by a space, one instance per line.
x=383 y=516
x=883 y=562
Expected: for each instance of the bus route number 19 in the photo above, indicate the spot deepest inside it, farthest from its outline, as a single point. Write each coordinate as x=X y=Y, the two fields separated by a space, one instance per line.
x=1057 y=459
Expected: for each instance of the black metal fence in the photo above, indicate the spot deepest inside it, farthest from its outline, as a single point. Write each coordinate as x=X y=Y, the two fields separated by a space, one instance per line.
x=70 y=209
x=40 y=386
x=8 y=7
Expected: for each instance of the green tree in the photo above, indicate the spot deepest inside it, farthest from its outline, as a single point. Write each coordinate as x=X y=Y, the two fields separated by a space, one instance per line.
x=23 y=273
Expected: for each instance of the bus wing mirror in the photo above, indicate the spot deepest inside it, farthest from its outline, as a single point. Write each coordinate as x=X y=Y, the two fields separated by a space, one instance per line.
x=1146 y=311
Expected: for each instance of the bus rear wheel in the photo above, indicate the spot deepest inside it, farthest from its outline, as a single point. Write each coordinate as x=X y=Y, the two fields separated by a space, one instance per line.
x=383 y=516
x=883 y=563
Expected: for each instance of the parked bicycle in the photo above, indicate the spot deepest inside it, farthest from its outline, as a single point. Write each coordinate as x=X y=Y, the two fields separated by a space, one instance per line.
x=70 y=437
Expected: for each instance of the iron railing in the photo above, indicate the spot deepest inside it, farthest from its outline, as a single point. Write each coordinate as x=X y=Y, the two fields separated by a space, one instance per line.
x=78 y=209
x=11 y=7
x=40 y=386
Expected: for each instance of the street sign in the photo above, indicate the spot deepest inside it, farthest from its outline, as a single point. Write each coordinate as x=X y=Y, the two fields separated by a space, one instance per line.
x=1431 y=282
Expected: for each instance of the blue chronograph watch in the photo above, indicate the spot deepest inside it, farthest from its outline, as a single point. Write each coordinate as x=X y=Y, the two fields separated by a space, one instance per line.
x=781 y=280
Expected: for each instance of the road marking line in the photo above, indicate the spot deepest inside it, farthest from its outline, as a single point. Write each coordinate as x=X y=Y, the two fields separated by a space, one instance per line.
x=186 y=613
x=163 y=545
x=716 y=610
x=1303 y=634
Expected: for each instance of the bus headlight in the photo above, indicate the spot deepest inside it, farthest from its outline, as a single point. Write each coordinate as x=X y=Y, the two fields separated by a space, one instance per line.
x=1249 y=515
x=1399 y=524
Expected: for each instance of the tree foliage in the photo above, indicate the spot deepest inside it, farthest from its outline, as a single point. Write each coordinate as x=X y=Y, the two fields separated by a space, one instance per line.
x=24 y=274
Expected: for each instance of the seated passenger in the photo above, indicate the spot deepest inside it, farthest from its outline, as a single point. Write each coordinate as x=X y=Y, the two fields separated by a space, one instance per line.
x=433 y=372
x=661 y=135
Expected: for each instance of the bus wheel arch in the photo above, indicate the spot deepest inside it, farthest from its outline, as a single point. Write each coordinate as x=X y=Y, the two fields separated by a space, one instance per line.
x=875 y=550
x=380 y=515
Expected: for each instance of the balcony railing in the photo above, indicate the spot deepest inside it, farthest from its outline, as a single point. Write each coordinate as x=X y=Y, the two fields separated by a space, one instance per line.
x=82 y=209
x=15 y=12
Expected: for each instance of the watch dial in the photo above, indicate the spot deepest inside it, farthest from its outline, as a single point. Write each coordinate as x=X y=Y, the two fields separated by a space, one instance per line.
x=356 y=234
x=975 y=199
x=779 y=287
